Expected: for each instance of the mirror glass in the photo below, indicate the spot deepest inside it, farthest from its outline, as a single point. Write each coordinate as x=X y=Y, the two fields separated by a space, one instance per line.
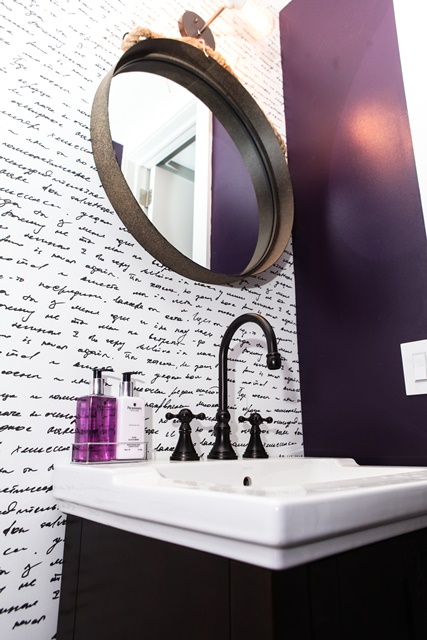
x=184 y=170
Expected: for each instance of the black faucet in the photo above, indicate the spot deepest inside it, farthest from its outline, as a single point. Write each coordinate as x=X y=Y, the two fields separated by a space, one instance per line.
x=222 y=449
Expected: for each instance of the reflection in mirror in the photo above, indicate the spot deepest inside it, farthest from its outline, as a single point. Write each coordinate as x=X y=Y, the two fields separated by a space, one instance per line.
x=184 y=170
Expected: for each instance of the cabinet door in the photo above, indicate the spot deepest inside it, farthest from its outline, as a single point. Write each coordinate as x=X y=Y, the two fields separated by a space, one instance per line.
x=269 y=605
x=131 y=587
x=70 y=579
x=377 y=591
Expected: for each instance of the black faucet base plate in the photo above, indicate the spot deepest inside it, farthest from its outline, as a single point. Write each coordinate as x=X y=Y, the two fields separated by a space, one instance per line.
x=222 y=455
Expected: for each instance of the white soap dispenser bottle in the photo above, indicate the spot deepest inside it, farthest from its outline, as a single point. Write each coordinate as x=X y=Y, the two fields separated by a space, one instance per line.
x=131 y=441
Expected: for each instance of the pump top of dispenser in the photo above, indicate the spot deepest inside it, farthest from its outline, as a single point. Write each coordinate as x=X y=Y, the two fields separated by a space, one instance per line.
x=98 y=382
x=126 y=386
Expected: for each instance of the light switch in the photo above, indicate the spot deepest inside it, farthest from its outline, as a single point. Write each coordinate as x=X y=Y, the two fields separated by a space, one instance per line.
x=419 y=363
x=414 y=360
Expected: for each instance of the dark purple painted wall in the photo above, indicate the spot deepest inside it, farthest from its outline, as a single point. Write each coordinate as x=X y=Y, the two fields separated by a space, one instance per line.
x=359 y=241
x=234 y=231
x=118 y=149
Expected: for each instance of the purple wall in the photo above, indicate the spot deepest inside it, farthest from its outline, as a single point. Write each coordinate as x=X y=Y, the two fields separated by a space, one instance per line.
x=359 y=240
x=234 y=231
x=118 y=149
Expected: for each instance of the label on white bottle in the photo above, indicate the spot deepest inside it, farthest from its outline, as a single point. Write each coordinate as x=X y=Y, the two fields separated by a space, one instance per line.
x=130 y=435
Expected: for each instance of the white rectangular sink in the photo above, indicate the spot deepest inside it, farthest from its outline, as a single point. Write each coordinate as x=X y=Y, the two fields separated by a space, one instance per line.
x=274 y=513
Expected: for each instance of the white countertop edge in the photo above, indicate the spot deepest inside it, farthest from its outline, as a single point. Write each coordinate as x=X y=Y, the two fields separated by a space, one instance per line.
x=258 y=555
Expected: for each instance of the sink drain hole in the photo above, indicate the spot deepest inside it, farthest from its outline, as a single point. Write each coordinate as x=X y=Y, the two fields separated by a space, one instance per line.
x=247 y=481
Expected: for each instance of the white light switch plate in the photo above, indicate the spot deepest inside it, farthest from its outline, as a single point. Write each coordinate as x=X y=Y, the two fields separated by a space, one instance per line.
x=414 y=360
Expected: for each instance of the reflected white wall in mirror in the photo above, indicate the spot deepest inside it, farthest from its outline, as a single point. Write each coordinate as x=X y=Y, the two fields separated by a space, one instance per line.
x=165 y=134
x=166 y=142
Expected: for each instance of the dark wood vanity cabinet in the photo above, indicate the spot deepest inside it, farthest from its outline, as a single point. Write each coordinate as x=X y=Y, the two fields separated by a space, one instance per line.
x=118 y=585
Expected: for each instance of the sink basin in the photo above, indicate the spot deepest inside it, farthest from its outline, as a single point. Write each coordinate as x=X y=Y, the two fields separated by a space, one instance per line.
x=274 y=513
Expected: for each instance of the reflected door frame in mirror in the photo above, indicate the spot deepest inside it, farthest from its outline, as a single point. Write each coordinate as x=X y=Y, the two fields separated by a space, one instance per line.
x=244 y=121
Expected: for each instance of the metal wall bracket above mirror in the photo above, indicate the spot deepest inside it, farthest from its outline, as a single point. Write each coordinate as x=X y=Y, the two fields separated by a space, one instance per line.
x=190 y=163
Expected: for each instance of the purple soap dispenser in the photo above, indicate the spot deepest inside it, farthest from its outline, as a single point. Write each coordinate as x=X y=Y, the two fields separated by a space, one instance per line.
x=95 y=424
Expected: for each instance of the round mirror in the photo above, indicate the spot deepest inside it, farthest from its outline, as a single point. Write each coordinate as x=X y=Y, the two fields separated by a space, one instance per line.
x=190 y=163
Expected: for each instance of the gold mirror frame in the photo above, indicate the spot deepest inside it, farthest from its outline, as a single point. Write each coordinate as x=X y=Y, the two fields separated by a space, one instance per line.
x=258 y=143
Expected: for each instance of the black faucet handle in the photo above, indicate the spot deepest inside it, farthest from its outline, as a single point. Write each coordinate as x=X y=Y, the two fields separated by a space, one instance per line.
x=256 y=419
x=255 y=448
x=185 y=416
x=185 y=450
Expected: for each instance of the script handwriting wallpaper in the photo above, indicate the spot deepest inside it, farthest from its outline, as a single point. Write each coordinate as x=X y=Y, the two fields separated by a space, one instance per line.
x=76 y=291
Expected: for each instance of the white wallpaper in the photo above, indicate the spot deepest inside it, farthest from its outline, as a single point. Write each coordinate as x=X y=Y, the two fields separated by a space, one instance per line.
x=76 y=291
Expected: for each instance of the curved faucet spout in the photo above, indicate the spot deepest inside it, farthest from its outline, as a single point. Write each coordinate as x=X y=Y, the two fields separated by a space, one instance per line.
x=222 y=449
x=273 y=357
